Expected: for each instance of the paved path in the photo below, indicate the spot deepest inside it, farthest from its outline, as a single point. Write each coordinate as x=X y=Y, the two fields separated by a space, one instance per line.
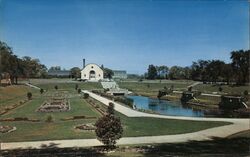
x=194 y=84
x=32 y=86
x=222 y=131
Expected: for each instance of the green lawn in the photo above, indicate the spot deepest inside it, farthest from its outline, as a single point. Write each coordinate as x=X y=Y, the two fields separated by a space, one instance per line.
x=58 y=129
x=207 y=88
x=151 y=88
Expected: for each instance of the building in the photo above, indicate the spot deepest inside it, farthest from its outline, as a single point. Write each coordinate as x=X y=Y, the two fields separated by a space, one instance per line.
x=119 y=74
x=59 y=73
x=91 y=72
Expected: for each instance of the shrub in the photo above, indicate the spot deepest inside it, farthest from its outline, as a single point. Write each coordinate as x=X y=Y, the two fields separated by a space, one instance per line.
x=85 y=95
x=79 y=91
x=245 y=92
x=190 y=88
x=220 y=89
x=161 y=93
x=49 y=119
x=41 y=91
x=109 y=128
x=231 y=103
x=29 y=95
x=56 y=87
x=76 y=86
x=127 y=101
x=110 y=109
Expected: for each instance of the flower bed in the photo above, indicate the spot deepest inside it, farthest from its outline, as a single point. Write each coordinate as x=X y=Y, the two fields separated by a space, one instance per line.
x=55 y=105
x=77 y=117
x=6 y=129
x=88 y=127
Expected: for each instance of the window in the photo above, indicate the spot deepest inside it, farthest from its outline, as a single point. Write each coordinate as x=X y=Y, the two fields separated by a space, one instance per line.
x=92 y=67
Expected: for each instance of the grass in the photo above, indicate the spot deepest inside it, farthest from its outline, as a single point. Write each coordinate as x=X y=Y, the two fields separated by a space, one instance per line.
x=154 y=126
x=152 y=88
x=231 y=90
x=12 y=94
x=31 y=131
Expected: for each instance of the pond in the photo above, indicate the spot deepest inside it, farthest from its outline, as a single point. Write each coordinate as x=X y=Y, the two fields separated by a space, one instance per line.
x=165 y=107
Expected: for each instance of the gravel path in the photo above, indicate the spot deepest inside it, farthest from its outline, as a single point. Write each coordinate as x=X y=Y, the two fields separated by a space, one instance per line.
x=222 y=131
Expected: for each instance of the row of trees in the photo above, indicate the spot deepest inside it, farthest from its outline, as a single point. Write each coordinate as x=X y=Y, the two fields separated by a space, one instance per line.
x=207 y=70
x=17 y=67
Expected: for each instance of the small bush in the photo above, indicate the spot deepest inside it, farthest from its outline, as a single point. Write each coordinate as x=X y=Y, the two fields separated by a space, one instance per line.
x=56 y=87
x=79 y=91
x=127 y=101
x=49 y=119
x=85 y=95
x=190 y=88
x=76 y=86
x=245 y=92
x=29 y=95
x=41 y=91
x=220 y=89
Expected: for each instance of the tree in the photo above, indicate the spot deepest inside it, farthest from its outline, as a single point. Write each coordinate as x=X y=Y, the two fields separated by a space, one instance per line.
x=75 y=72
x=152 y=72
x=227 y=73
x=29 y=95
x=162 y=71
x=41 y=91
x=108 y=73
x=213 y=70
x=240 y=64
x=176 y=72
x=198 y=71
x=56 y=87
x=109 y=128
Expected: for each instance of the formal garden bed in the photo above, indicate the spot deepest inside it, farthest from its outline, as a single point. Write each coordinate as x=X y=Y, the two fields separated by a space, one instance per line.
x=7 y=129
x=19 y=119
x=55 y=105
x=88 y=127
x=78 y=117
x=8 y=108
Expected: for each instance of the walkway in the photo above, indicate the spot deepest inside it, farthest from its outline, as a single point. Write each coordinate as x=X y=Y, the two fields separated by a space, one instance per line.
x=222 y=131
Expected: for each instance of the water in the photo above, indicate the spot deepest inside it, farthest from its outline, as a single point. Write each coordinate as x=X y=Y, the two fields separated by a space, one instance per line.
x=165 y=107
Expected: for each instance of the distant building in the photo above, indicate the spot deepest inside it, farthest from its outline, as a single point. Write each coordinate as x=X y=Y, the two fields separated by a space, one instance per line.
x=119 y=74
x=59 y=73
x=91 y=72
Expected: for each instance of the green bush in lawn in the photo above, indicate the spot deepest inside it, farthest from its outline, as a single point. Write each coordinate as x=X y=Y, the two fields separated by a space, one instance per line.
x=85 y=95
x=76 y=86
x=79 y=91
x=29 y=95
x=49 y=119
x=56 y=87
x=127 y=101
x=41 y=91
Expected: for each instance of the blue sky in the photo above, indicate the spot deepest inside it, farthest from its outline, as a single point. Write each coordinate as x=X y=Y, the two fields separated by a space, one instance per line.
x=126 y=34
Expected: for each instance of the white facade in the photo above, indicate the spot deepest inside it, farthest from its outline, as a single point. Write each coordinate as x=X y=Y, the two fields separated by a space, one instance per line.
x=92 y=72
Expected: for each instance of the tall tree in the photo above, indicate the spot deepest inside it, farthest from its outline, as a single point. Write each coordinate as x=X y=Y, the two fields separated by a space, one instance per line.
x=75 y=72
x=162 y=71
x=108 y=73
x=213 y=70
x=240 y=64
x=152 y=72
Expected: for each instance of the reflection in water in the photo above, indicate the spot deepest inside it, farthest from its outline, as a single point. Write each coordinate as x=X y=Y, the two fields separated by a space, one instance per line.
x=165 y=107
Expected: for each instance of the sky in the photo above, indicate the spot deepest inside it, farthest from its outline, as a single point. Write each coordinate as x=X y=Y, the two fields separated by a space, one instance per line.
x=124 y=35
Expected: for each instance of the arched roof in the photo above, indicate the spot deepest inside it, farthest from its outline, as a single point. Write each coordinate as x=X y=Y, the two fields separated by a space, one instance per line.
x=92 y=64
